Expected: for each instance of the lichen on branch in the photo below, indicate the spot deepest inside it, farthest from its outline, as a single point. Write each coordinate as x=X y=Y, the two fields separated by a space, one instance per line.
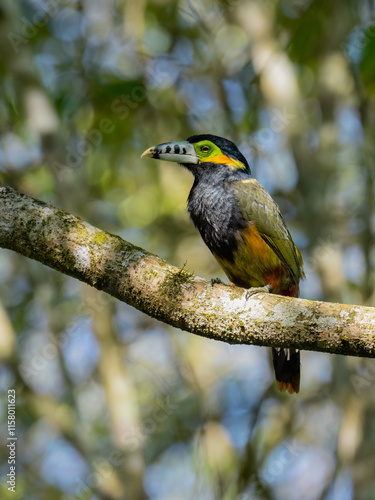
x=175 y=296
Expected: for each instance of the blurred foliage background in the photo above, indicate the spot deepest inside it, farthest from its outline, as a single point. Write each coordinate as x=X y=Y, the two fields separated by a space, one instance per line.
x=110 y=403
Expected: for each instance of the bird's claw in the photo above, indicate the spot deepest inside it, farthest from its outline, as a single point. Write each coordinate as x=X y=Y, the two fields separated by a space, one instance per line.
x=216 y=281
x=253 y=290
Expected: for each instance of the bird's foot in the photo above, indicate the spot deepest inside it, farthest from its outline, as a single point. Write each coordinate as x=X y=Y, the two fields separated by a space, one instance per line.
x=253 y=290
x=216 y=281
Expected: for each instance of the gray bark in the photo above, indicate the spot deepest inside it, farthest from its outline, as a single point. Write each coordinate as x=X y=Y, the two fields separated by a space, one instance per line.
x=105 y=261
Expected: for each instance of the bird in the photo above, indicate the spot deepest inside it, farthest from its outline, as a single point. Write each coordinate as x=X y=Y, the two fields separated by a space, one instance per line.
x=242 y=226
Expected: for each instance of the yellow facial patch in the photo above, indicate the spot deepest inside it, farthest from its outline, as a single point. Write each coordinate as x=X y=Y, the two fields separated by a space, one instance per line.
x=207 y=151
x=224 y=159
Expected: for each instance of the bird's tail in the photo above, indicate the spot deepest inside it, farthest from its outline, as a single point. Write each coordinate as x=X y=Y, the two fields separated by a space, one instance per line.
x=286 y=363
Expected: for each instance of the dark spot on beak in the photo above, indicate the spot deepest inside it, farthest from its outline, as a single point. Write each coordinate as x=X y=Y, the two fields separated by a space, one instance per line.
x=177 y=149
x=184 y=151
x=156 y=153
x=168 y=149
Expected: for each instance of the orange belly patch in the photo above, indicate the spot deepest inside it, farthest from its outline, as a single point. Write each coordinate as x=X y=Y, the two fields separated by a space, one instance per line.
x=257 y=244
x=256 y=264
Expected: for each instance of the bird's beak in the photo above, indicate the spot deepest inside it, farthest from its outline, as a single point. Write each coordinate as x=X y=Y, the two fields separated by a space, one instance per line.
x=181 y=152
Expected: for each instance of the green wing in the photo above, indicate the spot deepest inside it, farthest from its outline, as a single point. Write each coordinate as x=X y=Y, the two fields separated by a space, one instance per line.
x=258 y=207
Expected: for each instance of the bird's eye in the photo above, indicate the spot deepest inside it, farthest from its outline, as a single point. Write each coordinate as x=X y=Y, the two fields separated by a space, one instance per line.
x=205 y=149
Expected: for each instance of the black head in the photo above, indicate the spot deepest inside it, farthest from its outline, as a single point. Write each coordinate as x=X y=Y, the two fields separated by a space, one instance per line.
x=227 y=151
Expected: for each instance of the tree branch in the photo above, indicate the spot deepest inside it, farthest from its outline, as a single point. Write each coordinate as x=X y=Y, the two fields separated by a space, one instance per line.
x=107 y=262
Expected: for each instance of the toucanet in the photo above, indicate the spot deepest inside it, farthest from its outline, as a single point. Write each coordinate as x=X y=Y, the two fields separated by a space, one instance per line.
x=242 y=226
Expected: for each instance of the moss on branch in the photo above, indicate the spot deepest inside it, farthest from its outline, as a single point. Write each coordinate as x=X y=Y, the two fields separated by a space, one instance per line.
x=175 y=296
